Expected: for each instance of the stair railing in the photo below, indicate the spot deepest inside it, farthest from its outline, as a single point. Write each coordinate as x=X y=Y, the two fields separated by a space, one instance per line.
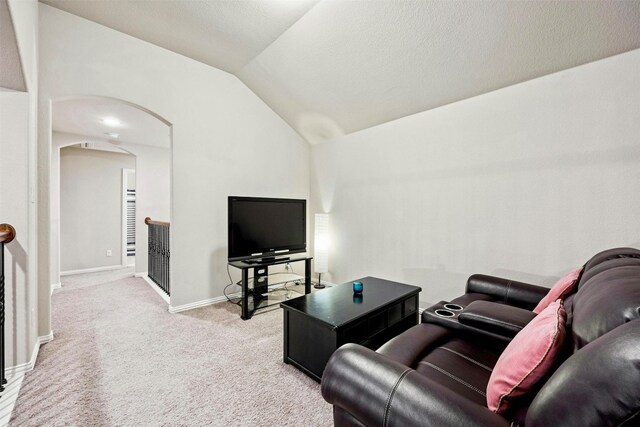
x=7 y=234
x=158 y=253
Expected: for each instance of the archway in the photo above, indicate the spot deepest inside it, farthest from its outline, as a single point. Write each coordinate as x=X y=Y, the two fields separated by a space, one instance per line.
x=103 y=123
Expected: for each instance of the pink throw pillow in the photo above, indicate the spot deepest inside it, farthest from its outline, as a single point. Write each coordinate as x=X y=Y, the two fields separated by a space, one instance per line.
x=527 y=358
x=561 y=289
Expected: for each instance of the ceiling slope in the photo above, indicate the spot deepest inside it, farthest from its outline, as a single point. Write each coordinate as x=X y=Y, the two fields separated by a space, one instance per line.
x=11 y=75
x=225 y=34
x=350 y=65
x=338 y=66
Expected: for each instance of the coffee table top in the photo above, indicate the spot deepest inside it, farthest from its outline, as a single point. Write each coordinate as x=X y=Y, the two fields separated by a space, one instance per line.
x=337 y=306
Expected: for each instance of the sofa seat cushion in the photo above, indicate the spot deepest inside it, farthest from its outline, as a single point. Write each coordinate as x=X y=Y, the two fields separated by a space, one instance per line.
x=410 y=346
x=453 y=361
x=461 y=366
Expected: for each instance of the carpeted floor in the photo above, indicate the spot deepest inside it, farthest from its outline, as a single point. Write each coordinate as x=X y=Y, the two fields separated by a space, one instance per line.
x=120 y=359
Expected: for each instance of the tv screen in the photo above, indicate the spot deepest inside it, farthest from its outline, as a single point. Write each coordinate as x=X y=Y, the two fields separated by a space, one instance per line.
x=265 y=227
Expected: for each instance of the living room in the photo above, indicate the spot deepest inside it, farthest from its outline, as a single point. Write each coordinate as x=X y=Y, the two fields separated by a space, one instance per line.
x=443 y=139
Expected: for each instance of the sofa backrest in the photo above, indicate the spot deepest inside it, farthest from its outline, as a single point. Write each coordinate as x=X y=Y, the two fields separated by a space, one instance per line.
x=607 y=296
x=599 y=382
x=599 y=385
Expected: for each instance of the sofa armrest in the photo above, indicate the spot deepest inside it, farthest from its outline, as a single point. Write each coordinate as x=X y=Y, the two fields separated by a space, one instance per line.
x=501 y=319
x=379 y=391
x=519 y=294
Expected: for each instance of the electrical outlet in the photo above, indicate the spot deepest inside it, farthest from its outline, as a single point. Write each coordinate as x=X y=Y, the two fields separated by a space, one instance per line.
x=109 y=252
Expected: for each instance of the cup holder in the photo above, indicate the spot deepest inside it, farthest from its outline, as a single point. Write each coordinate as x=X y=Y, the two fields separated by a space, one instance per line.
x=444 y=313
x=453 y=307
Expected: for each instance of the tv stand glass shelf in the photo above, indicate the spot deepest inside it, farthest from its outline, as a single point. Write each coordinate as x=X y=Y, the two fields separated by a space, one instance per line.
x=256 y=297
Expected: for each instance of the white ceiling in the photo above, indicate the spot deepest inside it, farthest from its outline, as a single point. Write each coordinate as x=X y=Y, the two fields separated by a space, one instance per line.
x=11 y=75
x=84 y=116
x=339 y=66
x=226 y=34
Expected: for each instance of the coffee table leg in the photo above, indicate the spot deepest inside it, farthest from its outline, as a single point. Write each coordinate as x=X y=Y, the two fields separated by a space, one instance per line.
x=285 y=329
x=307 y=276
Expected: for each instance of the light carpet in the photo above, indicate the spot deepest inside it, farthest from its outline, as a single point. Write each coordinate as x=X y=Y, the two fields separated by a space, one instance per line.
x=120 y=359
x=75 y=281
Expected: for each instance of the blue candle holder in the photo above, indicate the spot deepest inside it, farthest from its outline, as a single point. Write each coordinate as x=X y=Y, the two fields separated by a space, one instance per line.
x=357 y=288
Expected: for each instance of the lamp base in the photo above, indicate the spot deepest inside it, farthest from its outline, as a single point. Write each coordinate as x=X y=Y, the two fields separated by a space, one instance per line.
x=319 y=285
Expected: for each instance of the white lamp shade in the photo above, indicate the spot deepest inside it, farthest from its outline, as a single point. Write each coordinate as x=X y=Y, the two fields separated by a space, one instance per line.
x=321 y=243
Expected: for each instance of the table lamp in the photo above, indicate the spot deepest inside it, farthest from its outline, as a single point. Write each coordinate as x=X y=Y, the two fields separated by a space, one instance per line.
x=321 y=247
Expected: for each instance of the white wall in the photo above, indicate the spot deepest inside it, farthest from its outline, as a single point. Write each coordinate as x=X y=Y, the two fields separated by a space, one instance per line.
x=91 y=207
x=525 y=182
x=153 y=186
x=226 y=141
x=18 y=184
x=20 y=285
x=153 y=191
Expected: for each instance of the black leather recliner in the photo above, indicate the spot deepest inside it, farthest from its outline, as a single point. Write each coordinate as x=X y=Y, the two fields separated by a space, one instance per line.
x=436 y=374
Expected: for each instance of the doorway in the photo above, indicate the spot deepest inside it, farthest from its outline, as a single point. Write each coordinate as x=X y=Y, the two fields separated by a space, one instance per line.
x=128 y=221
x=92 y=235
x=144 y=188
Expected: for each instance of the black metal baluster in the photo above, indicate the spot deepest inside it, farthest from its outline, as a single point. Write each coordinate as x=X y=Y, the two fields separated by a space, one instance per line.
x=159 y=264
x=159 y=255
x=7 y=234
x=162 y=259
x=155 y=255
x=168 y=261
x=150 y=251
x=3 y=380
x=160 y=249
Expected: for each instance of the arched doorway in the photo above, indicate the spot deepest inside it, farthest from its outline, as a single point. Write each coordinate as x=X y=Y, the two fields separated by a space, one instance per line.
x=106 y=126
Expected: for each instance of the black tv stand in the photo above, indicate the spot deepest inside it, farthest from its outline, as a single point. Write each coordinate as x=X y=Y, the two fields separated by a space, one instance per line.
x=253 y=298
x=267 y=260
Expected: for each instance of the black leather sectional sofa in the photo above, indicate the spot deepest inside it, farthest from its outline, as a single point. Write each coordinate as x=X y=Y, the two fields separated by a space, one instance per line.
x=436 y=373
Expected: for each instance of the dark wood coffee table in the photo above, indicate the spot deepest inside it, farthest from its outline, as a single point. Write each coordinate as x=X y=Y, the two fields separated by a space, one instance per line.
x=316 y=324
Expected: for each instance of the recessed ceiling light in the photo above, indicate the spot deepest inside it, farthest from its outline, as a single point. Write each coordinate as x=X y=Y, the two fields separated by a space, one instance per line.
x=111 y=121
x=112 y=134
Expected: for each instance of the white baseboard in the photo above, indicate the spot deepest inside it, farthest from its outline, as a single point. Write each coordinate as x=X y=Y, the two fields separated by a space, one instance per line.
x=92 y=270
x=223 y=298
x=196 y=304
x=24 y=367
x=28 y=366
x=155 y=287
x=46 y=338
x=55 y=286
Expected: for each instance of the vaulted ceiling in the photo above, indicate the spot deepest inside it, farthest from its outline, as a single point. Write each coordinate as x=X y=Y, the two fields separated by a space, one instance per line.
x=11 y=75
x=331 y=67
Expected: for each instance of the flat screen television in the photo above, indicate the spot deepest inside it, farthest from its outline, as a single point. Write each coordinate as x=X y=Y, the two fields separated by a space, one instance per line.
x=266 y=228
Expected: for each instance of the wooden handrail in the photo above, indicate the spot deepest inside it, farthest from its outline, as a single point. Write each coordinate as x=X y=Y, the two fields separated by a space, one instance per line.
x=148 y=221
x=7 y=233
